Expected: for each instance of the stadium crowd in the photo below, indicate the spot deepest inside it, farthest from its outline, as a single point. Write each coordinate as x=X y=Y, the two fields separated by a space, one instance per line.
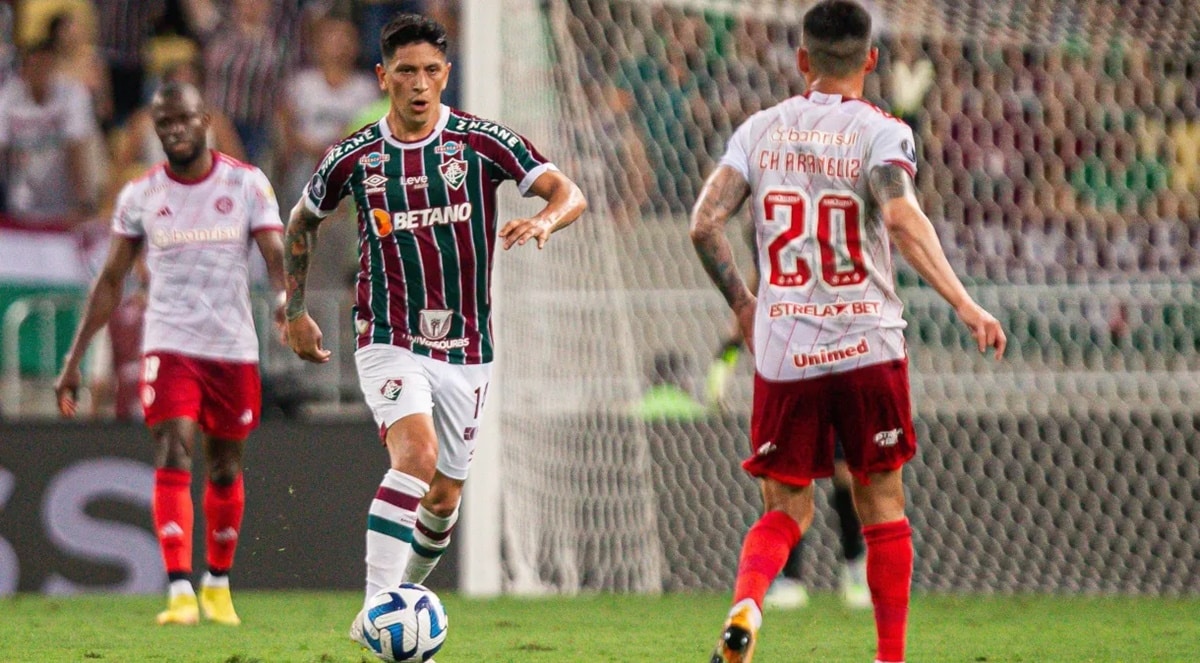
x=1067 y=157
x=285 y=78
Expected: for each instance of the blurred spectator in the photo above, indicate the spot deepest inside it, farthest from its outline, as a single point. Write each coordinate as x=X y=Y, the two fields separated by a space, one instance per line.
x=78 y=59
x=8 y=48
x=368 y=115
x=137 y=147
x=372 y=15
x=125 y=27
x=446 y=12
x=46 y=124
x=630 y=190
x=319 y=101
x=250 y=46
x=910 y=75
x=664 y=90
x=1184 y=150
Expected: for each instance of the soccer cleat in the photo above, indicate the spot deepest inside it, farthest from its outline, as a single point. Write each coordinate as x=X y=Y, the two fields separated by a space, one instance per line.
x=855 y=592
x=737 y=641
x=182 y=610
x=786 y=594
x=216 y=602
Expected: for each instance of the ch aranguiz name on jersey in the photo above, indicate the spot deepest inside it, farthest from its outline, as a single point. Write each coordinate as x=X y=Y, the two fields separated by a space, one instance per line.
x=810 y=164
x=386 y=223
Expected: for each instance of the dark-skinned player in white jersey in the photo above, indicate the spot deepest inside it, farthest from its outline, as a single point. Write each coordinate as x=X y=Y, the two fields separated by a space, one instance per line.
x=830 y=181
x=424 y=180
x=195 y=217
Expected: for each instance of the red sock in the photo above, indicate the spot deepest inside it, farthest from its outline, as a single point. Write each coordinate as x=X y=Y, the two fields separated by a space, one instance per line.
x=172 y=512
x=223 y=508
x=764 y=552
x=889 y=575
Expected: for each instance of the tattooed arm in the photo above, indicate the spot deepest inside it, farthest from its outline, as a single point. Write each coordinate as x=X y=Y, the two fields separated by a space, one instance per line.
x=722 y=195
x=915 y=238
x=300 y=240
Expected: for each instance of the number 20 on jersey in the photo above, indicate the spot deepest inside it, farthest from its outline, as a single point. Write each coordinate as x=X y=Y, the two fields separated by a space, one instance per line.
x=836 y=218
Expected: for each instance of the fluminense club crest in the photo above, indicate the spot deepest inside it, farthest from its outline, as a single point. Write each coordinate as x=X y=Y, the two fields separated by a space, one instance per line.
x=454 y=172
x=391 y=389
x=435 y=323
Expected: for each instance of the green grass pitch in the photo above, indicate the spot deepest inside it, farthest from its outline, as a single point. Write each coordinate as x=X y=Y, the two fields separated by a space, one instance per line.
x=310 y=627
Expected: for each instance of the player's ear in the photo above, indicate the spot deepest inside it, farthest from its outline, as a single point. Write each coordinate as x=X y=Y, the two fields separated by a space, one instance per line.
x=381 y=75
x=872 y=60
x=802 y=60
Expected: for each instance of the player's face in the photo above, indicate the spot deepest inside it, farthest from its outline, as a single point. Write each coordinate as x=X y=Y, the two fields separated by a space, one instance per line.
x=182 y=127
x=414 y=79
x=37 y=71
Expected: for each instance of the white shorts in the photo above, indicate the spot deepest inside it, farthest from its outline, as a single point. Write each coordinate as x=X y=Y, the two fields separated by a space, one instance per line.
x=396 y=383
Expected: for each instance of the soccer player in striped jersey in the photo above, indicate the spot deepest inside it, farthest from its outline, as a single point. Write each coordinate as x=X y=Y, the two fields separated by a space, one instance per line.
x=424 y=180
x=196 y=217
x=830 y=181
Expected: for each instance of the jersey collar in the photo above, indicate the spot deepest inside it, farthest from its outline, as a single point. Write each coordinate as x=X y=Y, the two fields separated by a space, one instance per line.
x=212 y=168
x=822 y=98
x=443 y=119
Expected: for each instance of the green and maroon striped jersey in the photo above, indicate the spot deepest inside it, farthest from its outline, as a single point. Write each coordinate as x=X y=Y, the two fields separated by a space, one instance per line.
x=426 y=229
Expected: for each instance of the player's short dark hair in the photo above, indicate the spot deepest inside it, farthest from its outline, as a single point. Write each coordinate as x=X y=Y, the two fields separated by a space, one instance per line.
x=837 y=34
x=405 y=29
x=178 y=90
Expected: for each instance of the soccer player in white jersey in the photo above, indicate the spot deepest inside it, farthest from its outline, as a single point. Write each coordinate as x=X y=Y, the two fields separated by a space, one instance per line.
x=829 y=178
x=196 y=217
x=424 y=180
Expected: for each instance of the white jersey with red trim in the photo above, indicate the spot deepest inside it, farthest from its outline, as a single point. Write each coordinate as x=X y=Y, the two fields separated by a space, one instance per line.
x=198 y=237
x=826 y=297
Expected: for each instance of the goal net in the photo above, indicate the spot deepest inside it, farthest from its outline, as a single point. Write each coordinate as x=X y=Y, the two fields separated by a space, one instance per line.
x=1059 y=149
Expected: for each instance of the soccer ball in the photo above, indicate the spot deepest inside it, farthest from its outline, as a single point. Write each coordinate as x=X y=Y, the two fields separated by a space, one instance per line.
x=404 y=623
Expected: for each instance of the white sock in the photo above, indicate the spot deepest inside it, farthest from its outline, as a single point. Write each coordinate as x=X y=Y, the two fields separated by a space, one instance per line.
x=390 y=523
x=755 y=613
x=180 y=588
x=430 y=538
x=210 y=580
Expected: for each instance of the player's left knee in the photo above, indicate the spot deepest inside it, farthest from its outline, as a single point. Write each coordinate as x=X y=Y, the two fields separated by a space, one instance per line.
x=225 y=473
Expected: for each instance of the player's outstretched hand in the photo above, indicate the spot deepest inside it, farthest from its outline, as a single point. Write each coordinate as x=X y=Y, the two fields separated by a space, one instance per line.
x=66 y=391
x=984 y=327
x=304 y=337
x=519 y=231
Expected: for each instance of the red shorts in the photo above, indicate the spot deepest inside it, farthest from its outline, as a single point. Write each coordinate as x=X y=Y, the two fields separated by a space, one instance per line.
x=224 y=397
x=794 y=424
